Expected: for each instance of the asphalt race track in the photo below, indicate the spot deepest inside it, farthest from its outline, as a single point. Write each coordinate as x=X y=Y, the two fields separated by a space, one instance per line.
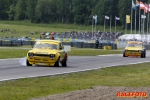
x=13 y=69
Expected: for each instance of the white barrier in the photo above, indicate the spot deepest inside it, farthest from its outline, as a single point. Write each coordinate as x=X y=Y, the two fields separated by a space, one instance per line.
x=138 y=37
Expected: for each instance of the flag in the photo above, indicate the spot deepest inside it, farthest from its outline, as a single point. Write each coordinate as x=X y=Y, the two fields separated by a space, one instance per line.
x=146 y=8
x=137 y=3
x=133 y=5
x=95 y=17
x=142 y=6
x=117 y=18
x=106 y=17
x=149 y=8
x=143 y=16
x=127 y=18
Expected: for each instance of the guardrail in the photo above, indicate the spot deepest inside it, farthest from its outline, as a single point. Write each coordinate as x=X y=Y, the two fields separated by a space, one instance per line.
x=16 y=43
x=72 y=44
x=90 y=45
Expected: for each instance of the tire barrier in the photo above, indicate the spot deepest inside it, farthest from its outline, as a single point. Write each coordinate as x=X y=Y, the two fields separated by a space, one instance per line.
x=91 y=45
x=16 y=43
x=72 y=44
x=105 y=48
x=109 y=47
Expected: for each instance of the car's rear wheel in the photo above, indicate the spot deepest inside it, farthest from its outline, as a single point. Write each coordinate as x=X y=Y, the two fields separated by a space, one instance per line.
x=57 y=62
x=143 y=54
x=124 y=54
x=64 y=63
x=27 y=63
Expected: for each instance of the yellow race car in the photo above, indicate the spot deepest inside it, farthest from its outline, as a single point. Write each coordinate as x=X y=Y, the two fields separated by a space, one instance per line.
x=47 y=53
x=134 y=48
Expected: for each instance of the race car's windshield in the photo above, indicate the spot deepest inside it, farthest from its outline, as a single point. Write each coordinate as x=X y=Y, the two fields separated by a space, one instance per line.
x=134 y=45
x=46 y=46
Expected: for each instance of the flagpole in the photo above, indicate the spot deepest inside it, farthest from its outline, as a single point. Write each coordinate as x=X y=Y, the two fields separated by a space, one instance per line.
x=92 y=27
x=104 y=23
x=141 y=27
x=131 y=19
x=147 y=27
x=143 y=24
x=95 y=22
x=95 y=26
x=110 y=23
x=115 y=24
x=135 y=20
x=139 y=19
x=126 y=25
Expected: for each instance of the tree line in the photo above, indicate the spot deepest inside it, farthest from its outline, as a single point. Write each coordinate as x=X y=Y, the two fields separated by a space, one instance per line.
x=66 y=11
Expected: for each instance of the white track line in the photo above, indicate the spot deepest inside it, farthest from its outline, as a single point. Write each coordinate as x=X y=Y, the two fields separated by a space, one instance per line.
x=111 y=55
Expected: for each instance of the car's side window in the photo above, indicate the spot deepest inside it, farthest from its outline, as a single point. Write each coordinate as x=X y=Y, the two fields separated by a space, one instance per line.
x=61 y=47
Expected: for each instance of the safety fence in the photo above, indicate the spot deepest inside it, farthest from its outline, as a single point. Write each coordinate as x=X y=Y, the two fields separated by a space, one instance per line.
x=60 y=39
x=72 y=44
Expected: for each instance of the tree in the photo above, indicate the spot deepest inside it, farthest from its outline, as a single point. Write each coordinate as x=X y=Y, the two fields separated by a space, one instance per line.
x=79 y=11
x=124 y=7
x=30 y=9
x=4 y=8
x=20 y=10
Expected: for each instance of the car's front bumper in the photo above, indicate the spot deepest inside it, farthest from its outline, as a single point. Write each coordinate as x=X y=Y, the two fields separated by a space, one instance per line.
x=132 y=54
x=42 y=61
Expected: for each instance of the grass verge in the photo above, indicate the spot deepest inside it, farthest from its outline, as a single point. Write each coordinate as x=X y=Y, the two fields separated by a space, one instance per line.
x=18 y=52
x=130 y=75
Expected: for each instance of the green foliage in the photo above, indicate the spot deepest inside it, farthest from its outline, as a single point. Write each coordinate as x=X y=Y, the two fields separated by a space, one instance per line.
x=20 y=10
x=67 y=11
x=124 y=7
x=30 y=10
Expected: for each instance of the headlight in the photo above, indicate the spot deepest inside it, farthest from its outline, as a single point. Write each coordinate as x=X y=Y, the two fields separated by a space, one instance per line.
x=30 y=54
x=52 y=55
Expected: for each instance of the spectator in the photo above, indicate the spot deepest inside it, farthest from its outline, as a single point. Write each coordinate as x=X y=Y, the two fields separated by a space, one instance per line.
x=52 y=37
x=97 y=43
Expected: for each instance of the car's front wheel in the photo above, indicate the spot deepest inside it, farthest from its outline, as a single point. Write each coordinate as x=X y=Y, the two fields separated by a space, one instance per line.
x=27 y=63
x=64 y=63
x=57 y=62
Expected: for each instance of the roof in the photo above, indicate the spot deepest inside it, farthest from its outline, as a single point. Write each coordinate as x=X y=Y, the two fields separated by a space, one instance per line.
x=56 y=41
x=134 y=42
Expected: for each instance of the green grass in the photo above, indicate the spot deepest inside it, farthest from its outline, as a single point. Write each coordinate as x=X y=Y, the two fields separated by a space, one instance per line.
x=92 y=52
x=18 y=52
x=23 y=28
x=22 y=89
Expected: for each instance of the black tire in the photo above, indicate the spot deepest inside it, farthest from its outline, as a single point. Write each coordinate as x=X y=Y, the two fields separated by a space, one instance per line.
x=64 y=63
x=124 y=54
x=57 y=62
x=143 y=54
x=27 y=63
